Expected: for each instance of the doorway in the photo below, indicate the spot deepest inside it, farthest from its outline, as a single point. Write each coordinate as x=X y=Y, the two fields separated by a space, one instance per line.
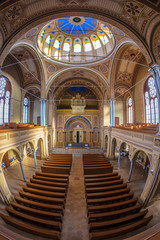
x=77 y=136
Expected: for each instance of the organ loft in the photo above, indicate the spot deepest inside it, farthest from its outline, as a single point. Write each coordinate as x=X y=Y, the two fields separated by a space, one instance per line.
x=79 y=119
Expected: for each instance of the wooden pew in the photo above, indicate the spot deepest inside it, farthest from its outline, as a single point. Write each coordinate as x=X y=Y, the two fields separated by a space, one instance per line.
x=103 y=184
x=44 y=193
x=36 y=212
x=116 y=222
x=35 y=220
x=107 y=194
x=56 y=175
x=100 y=175
x=105 y=189
x=31 y=229
x=40 y=198
x=112 y=206
x=46 y=188
x=55 y=170
x=119 y=231
x=92 y=202
x=99 y=170
x=92 y=217
x=54 y=184
x=43 y=206
x=96 y=180
x=49 y=179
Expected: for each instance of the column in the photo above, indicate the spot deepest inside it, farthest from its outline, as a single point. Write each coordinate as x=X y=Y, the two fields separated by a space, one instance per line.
x=112 y=119
x=35 y=160
x=119 y=158
x=5 y=193
x=21 y=165
x=155 y=70
x=43 y=112
x=130 y=171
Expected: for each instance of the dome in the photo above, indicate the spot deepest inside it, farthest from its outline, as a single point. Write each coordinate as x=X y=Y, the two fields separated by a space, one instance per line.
x=76 y=40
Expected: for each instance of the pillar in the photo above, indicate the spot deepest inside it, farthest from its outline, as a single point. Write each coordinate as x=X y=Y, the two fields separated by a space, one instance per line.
x=5 y=193
x=119 y=158
x=112 y=113
x=43 y=112
x=21 y=165
x=130 y=171
x=155 y=70
x=35 y=160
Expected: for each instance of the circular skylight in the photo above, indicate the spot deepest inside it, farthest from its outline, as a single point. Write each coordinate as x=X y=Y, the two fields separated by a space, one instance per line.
x=76 y=39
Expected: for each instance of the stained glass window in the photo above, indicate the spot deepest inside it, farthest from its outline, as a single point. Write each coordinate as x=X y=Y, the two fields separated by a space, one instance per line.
x=151 y=102
x=130 y=118
x=77 y=46
x=5 y=88
x=25 y=110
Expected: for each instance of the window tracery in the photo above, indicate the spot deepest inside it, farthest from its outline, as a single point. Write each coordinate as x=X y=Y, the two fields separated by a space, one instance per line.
x=130 y=115
x=25 y=110
x=5 y=89
x=151 y=102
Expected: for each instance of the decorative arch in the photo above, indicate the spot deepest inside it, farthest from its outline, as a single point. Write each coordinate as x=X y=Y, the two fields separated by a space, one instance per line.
x=40 y=147
x=76 y=117
x=18 y=154
x=103 y=85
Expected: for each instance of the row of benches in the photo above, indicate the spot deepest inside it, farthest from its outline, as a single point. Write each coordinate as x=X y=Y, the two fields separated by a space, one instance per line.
x=39 y=208
x=60 y=163
x=91 y=167
x=112 y=208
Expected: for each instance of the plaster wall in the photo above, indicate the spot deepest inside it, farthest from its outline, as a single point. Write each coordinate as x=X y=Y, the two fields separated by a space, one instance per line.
x=36 y=113
x=119 y=110
x=139 y=94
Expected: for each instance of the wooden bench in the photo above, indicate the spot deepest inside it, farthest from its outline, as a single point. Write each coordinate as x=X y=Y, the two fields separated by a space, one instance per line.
x=97 y=165
x=49 y=179
x=105 y=189
x=99 y=170
x=120 y=231
x=116 y=222
x=44 y=193
x=44 y=206
x=46 y=188
x=100 y=175
x=112 y=206
x=113 y=214
x=57 y=166
x=110 y=199
x=55 y=170
x=40 y=198
x=103 y=184
x=36 y=212
x=51 y=175
x=35 y=220
x=31 y=229
x=57 y=162
x=56 y=184
x=107 y=194
x=96 y=180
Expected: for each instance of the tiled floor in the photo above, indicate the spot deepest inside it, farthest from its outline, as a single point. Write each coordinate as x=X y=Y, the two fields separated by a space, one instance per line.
x=75 y=225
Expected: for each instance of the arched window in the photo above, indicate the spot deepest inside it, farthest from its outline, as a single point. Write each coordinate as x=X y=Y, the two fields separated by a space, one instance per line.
x=5 y=92
x=25 y=110
x=130 y=115
x=151 y=102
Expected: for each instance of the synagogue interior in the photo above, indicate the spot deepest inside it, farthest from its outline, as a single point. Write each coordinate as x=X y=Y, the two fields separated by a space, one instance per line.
x=79 y=119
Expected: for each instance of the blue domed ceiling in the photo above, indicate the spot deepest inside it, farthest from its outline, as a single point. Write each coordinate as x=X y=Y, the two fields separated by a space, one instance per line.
x=76 y=39
x=77 y=25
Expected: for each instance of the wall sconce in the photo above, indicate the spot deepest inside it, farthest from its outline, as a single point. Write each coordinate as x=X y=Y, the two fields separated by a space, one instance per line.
x=152 y=171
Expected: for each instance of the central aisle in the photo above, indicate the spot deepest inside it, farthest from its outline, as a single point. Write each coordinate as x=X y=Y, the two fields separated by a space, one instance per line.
x=75 y=224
